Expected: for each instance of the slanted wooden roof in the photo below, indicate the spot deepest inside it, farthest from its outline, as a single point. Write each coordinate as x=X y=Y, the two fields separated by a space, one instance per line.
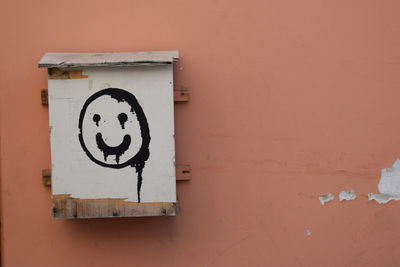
x=117 y=59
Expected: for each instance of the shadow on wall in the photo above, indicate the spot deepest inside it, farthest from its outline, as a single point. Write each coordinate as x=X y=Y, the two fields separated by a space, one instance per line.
x=132 y=228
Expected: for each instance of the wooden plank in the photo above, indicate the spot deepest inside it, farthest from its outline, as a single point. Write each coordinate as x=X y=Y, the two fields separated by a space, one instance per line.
x=44 y=95
x=180 y=95
x=183 y=172
x=46 y=177
x=73 y=60
x=65 y=206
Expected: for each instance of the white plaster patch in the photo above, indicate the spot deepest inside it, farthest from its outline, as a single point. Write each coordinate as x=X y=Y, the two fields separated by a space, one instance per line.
x=382 y=198
x=326 y=198
x=390 y=179
x=308 y=232
x=389 y=185
x=347 y=195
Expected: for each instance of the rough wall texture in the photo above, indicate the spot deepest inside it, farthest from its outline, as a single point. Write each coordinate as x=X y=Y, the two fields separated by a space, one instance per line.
x=289 y=99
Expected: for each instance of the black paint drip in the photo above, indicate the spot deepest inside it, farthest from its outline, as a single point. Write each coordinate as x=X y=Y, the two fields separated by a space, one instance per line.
x=122 y=117
x=113 y=150
x=139 y=181
x=96 y=119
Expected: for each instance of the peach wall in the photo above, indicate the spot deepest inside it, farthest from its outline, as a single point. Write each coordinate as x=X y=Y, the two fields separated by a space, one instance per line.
x=289 y=99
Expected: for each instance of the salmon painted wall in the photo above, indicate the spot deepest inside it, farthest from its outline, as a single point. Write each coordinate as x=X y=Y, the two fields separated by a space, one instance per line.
x=289 y=99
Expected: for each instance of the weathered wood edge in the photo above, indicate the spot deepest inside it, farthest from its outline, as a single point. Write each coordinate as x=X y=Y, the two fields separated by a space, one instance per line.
x=59 y=74
x=116 y=59
x=66 y=207
x=105 y=64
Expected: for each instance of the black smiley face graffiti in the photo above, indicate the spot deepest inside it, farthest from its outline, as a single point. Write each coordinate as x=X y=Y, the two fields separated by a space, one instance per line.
x=113 y=150
x=114 y=132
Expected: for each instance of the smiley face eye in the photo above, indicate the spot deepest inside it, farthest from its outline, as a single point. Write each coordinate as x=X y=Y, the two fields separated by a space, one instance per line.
x=96 y=119
x=122 y=117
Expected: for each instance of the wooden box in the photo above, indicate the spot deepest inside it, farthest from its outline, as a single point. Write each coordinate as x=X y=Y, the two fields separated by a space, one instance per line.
x=112 y=134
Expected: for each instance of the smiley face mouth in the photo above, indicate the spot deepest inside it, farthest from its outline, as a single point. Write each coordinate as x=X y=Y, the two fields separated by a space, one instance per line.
x=113 y=150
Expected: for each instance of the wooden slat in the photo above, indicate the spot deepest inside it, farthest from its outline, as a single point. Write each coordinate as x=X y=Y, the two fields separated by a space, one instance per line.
x=46 y=177
x=65 y=206
x=181 y=95
x=44 y=95
x=183 y=172
x=76 y=60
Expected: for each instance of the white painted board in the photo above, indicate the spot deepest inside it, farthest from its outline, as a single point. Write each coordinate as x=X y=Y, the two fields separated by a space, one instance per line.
x=112 y=128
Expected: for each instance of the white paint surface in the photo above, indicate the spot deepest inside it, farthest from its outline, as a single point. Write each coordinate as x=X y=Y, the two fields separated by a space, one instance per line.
x=347 y=195
x=326 y=198
x=74 y=173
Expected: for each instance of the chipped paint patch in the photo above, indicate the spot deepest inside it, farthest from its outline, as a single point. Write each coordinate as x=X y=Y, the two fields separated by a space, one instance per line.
x=347 y=195
x=326 y=198
x=390 y=179
x=382 y=198
x=389 y=185
x=308 y=232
